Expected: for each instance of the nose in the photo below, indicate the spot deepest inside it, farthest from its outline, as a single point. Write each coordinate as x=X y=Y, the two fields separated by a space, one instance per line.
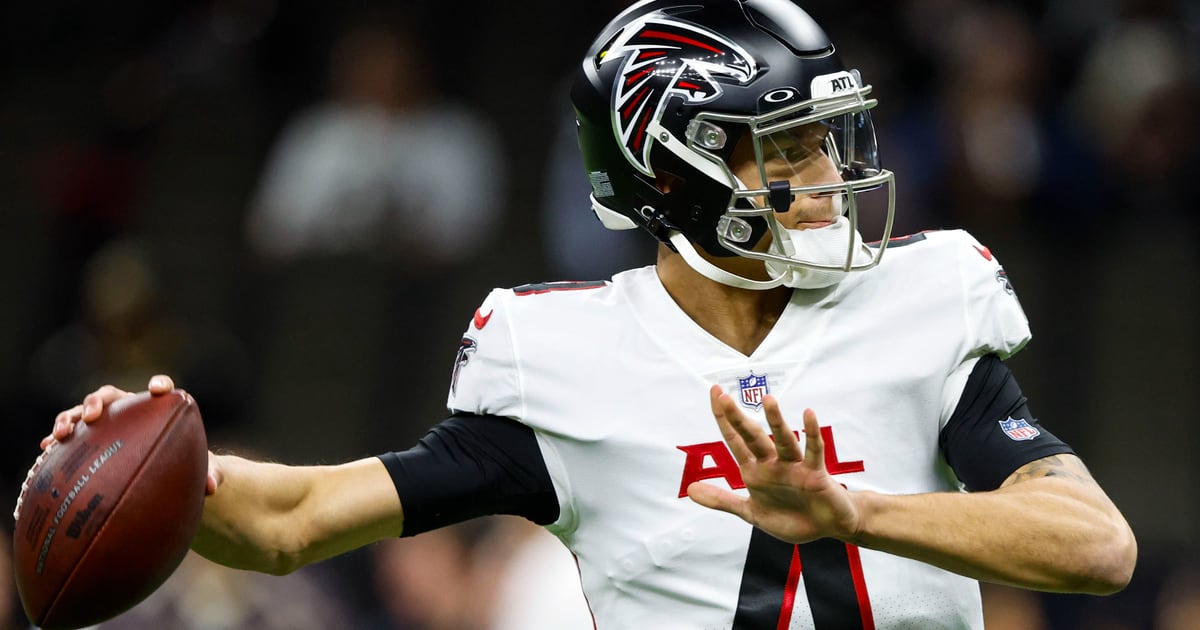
x=817 y=173
x=813 y=206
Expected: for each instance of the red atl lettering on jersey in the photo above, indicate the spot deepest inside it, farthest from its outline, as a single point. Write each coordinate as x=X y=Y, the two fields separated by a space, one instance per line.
x=725 y=466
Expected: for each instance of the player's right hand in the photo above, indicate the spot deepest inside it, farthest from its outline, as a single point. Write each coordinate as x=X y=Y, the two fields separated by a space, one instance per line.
x=791 y=493
x=93 y=406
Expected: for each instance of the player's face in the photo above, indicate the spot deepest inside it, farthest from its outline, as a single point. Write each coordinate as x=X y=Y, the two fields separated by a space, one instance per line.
x=797 y=156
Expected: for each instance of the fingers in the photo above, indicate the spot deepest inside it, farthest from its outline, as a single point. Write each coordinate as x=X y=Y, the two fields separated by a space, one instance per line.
x=755 y=438
x=94 y=403
x=717 y=499
x=746 y=439
x=735 y=424
x=786 y=444
x=47 y=441
x=64 y=424
x=93 y=406
x=814 y=444
x=88 y=411
x=718 y=398
x=160 y=384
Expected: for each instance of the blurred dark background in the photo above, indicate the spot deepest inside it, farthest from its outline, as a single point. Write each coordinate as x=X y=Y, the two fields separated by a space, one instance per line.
x=294 y=207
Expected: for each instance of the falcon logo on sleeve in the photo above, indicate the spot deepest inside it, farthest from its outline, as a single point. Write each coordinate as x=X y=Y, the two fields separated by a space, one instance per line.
x=1002 y=278
x=466 y=348
x=665 y=57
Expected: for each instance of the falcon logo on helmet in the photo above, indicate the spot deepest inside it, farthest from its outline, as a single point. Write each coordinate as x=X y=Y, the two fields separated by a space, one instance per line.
x=665 y=57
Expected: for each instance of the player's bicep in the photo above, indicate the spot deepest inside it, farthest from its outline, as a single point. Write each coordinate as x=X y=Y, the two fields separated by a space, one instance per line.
x=1066 y=476
x=992 y=433
x=1065 y=466
x=469 y=466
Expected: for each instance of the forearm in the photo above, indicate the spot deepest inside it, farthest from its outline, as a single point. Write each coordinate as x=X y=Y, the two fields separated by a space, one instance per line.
x=245 y=521
x=1045 y=534
x=274 y=518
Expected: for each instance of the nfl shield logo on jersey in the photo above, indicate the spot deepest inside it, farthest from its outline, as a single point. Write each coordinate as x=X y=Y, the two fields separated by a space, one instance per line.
x=1019 y=429
x=754 y=388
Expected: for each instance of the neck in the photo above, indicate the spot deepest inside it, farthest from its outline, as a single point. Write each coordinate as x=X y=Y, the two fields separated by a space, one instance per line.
x=740 y=318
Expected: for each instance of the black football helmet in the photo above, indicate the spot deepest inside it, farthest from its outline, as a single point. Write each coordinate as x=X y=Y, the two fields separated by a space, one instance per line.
x=668 y=90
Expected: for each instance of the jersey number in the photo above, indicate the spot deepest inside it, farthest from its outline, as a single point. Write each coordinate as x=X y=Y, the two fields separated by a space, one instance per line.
x=833 y=583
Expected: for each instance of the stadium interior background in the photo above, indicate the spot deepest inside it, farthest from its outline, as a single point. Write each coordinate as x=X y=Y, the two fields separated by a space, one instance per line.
x=136 y=232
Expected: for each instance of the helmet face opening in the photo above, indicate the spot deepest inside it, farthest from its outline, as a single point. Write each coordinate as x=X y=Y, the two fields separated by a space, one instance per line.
x=753 y=131
x=817 y=148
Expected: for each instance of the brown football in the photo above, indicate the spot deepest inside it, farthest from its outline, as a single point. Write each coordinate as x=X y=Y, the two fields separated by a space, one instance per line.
x=106 y=516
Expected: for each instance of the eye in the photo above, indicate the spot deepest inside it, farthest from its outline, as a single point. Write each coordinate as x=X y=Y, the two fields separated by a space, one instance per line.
x=811 y=137
x=799 y=143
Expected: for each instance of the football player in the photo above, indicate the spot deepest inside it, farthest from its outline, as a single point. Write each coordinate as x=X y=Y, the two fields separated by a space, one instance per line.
x=731 y=132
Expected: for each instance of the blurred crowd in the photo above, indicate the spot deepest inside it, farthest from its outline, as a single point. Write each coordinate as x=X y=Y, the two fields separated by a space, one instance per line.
x=294 y=207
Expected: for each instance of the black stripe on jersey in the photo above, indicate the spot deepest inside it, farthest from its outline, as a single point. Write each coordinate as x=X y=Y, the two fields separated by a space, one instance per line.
x=829 y=585
x=469 y=466
x=975 y=443
x=764 y=582
x=766 y=599
x=547 y=287
x=900 y=241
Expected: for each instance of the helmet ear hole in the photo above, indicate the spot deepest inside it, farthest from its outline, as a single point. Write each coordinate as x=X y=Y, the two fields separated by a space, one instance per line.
x=667 y=182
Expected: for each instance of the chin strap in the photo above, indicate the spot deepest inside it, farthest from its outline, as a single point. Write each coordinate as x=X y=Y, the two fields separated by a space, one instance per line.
x=715 y=273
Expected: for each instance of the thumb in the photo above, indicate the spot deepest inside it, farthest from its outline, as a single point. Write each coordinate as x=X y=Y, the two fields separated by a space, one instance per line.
x=717 y=499
x=215 y=476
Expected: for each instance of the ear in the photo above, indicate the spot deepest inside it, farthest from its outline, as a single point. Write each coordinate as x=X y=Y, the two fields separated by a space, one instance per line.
x=666 y=182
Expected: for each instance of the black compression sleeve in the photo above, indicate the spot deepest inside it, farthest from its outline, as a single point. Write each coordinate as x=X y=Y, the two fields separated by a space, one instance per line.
x=469 y=466
x=992 y=433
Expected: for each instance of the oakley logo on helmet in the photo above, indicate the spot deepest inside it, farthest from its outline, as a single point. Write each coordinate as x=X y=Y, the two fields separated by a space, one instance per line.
x=781 y=95
x=665 y=57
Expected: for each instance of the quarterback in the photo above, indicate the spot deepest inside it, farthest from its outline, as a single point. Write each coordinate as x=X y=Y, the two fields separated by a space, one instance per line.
x=731 y=132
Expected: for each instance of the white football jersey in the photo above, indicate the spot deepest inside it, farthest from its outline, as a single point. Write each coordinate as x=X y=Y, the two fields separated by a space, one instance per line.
x=614 y=381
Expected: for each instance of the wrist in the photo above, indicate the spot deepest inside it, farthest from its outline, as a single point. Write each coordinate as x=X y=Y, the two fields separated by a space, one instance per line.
x=867 y=505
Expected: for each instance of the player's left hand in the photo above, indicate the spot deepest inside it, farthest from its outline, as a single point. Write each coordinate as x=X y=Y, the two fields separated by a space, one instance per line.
x=792 y=496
